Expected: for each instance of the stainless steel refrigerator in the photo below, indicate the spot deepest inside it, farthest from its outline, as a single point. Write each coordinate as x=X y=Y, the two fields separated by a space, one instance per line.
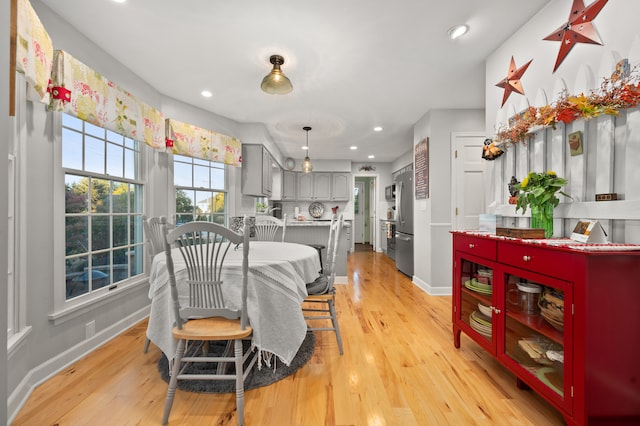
x=404 y=220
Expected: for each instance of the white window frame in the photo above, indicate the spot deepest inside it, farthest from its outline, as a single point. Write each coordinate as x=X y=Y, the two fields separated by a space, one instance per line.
x=67 y=309
x=18 y=329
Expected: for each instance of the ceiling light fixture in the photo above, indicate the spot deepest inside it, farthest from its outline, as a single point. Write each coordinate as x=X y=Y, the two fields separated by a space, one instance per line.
x=307 y=167
x=206 y=93
x=377 y=129
x=457 y=31
x=276 y=83
x=371 y=156
x=353 y=148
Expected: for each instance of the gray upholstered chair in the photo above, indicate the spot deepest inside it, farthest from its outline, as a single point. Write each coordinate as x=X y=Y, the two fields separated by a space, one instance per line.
x=207 y=316
x=320 y=302
x=266 y=227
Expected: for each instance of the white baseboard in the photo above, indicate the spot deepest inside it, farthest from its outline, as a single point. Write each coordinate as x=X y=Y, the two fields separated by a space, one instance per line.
x=342 y=279
x=53 y=366
x=432 y=291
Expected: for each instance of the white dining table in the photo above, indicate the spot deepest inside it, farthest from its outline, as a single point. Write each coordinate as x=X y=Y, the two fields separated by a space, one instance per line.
x=278 y=273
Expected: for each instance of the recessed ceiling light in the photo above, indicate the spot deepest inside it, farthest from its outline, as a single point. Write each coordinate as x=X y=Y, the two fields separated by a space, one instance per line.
x=206 y=93
x=371 y=156
x=377 y=129
x=119 y=1
x=305 y=147
x=353 y=148
x=457 y=31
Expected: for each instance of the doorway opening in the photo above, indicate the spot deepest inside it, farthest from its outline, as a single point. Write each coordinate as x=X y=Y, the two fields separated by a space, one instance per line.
x=364 y=213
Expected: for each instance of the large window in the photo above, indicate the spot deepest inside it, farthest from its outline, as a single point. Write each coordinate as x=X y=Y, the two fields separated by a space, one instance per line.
x=103 y=208
x=200 y=190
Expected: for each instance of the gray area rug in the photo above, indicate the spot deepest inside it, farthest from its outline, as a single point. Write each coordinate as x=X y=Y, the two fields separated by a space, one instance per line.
x=257 y=378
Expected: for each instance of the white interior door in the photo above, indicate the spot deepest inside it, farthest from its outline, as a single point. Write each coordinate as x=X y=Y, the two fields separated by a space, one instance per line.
x=468 y=183
x=358 y=217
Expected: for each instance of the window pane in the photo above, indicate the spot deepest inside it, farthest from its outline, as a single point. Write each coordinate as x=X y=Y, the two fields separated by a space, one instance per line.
x=120 y=230
x=100 y=233
x=184 y=201
x=100 y=192
x=182 y=174
x=71 y=121
x=218 y=205
x=100 y=274
x=120 y=264
x=200 y=162
x=130 y=164
x=217 y=178
x=114 y=137
x=137 y=260
x=71 y=149
x=120 y=197
x=94 y=155
x=201 y=177
x=136 y=229
x=135 y=204
x=76 y=278
x=90 y=129
x=76 y=235
x=76 y=194
x=115 y=159
x=183 y=218
x=218 y=218
x=204 y=202
x=130 y=143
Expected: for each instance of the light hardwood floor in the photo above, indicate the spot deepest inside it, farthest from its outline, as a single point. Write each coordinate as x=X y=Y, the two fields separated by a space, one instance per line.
x=399 y=368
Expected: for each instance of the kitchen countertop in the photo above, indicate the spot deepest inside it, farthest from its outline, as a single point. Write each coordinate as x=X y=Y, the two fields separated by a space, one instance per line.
x=320 y=222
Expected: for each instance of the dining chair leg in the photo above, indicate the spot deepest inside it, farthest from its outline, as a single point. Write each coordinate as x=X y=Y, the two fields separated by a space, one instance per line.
x=334 y=321
x=146 y=345
x=239 y=358
x=173 y=382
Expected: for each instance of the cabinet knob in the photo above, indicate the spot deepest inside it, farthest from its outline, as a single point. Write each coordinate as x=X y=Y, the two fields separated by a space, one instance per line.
x=526 y=258
x=472 y=245
x=495 y=310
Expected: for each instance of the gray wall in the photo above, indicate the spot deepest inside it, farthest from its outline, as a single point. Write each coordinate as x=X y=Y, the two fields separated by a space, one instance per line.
x=432 y=217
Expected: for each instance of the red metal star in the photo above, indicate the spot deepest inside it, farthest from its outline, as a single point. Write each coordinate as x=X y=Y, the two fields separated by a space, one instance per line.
x=511 y=82
x=578 y=29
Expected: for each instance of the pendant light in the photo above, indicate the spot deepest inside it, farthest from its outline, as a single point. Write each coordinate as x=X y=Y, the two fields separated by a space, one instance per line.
x=307 y=167
x=276 y=83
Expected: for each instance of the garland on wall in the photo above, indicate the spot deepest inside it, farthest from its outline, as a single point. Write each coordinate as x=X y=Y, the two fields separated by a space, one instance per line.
x=620 y=91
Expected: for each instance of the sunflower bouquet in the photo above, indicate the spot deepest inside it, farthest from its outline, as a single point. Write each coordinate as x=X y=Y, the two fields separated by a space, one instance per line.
x=538 y=190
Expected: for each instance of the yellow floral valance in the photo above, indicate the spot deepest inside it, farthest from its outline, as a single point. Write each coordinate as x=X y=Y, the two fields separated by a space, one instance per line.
x=34 y=50
x=189 y=140
x=80 y=91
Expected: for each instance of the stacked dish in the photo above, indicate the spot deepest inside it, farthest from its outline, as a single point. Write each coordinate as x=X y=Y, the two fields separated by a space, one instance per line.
x=551 y=304
x=480 y=323
x=474 y=285
x=485 y=310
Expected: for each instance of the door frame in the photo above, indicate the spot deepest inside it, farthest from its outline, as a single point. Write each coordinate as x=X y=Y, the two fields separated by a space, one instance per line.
x=373 y=208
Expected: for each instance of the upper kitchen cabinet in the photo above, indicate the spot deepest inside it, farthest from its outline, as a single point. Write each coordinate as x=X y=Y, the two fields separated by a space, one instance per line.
x=322 y=186
x=257 y=172
x=341 y=186
x=289 y=185
x=305 y=186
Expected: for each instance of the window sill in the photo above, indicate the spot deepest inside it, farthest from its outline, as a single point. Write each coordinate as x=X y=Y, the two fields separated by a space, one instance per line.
x=16 y=341
x=68 y=313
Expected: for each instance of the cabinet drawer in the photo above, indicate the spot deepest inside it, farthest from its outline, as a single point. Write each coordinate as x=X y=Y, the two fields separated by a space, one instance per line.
x=481 y=247
x=537 y=259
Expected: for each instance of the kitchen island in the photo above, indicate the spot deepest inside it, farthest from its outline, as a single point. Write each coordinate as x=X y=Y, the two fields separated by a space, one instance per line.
x=317 y=232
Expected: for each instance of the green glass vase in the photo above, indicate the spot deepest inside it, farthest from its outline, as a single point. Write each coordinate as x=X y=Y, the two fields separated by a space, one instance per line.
x=542 y=218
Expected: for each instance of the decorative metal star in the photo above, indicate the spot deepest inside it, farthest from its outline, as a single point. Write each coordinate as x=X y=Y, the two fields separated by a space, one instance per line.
x=511 y=82
x=578 y=29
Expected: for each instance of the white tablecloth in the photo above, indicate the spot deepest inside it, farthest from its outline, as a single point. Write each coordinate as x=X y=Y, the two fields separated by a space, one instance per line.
x=277 y=276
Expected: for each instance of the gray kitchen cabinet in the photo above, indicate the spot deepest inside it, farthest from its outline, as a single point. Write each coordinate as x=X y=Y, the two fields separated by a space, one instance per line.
x=305 y=186
x=289 y=185
x=340 y=186
x=322 y=186
x=257 y=178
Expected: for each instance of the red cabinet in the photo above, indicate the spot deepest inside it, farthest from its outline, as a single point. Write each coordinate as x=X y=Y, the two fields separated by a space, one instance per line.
x=565 y=321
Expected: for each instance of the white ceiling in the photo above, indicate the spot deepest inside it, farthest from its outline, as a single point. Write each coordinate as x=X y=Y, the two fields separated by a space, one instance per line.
x=354 y=64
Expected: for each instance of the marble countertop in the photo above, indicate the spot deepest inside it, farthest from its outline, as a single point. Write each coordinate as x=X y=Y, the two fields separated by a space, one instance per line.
x=314 y=223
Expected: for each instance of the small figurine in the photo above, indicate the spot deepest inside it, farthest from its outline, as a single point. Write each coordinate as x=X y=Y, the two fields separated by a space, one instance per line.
x=490 y=151
x=513 y=190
